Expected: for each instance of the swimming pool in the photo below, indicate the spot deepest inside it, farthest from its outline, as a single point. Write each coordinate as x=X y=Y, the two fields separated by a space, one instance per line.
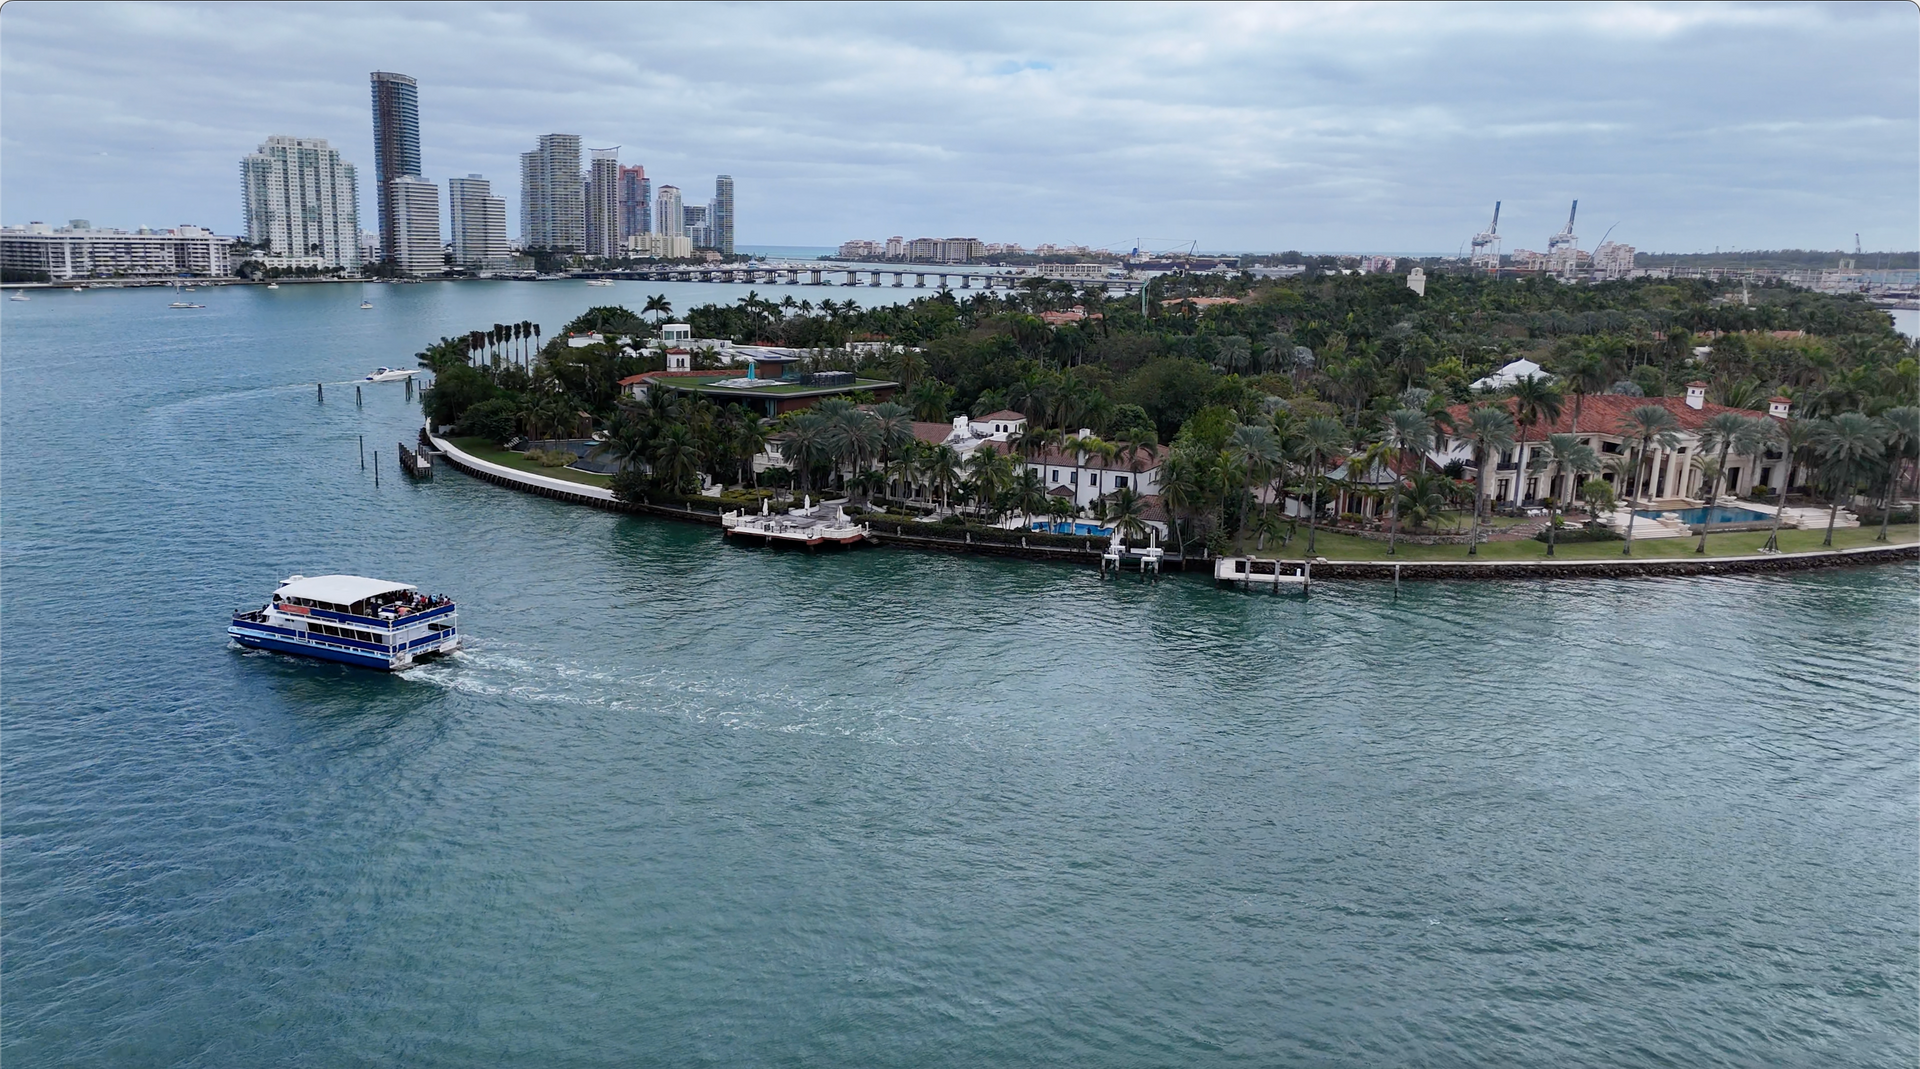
x=1719 y=514
x=1089 y=529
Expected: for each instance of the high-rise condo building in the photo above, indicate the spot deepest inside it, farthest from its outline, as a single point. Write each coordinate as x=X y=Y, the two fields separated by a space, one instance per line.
x=396 y=145
x=636 y=202
x=303 y=203
x=479 y=221
x=553 y=203
x=603 y=203
x=695 y=225
x=720 y=214
x=417 y=249
x=668 y=217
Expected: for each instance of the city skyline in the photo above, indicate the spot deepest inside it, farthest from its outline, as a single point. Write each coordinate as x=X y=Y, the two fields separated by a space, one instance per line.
x=1236 y=128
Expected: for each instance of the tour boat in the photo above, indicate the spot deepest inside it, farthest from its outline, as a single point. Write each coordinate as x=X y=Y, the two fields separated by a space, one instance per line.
x=372 y=623
x=366 y=304
x=387 y=374
x=18 y=295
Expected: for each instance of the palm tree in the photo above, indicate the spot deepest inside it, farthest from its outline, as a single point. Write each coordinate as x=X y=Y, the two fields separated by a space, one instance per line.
x=1256 y=451
x=1723 y=433
x=1489 y=431
x=628 y=442
x=1180 y=492
x=1585 y=373
x=943 y=472
x=1535 y=400
x=677 y=458
x=806 y=446
x=749 y=439
x=1900 y=430
x=988 y=473
x=659 y=306
x=1564 y=453
x=1422 y=497
x=1849 y=444
x=1648 y=426
x=895 y=426
x=1409 y=433
x=1029 y=493
x=1321 y=437
x=1124 y=511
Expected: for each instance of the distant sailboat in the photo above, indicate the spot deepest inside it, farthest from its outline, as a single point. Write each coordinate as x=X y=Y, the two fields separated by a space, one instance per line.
x=18 y=295
x=366 y=304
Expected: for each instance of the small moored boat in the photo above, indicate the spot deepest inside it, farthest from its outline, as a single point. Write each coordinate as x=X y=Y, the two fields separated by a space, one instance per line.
x=599 y=282
x=185 y=304
x=366 y=304
x=18 y=295
x=373 y=623
x=388 y=374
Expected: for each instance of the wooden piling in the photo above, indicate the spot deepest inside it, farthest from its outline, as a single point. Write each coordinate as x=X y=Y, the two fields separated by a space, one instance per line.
x=376 y=469
x=363 y=452
x=320 y=392
x=357 y=402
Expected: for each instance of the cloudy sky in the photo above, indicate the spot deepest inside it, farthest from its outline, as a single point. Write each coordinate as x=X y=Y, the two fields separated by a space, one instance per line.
x=1328 y=127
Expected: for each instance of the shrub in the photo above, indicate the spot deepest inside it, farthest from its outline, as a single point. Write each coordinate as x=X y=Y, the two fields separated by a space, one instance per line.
x=1760 y=492
x=493 y=420
x=551 y=458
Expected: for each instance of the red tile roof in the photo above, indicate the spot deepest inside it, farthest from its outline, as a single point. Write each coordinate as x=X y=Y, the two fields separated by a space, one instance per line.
x=932 y=433
x=1603 y=413
x=1149 y=459
x=1003 y=414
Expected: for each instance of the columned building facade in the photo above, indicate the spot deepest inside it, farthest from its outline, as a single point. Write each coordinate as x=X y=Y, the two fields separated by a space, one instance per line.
x=416 y=244
x=636 y=202
x=668 y=216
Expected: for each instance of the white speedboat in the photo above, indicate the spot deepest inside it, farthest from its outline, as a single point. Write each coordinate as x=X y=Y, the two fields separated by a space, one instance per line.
x=273 y=285
x=78 y=289
x=185 y=304
x=18 y=295
x=366 y=304
x=599 y=282
x=390 y=374
x=373 y=623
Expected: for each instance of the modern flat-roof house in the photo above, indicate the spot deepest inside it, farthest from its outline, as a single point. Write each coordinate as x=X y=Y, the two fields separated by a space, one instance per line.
x=1664 y=474
x=770 y=386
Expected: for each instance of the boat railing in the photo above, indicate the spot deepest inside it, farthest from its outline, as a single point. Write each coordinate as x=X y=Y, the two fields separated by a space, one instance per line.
x=396 y=620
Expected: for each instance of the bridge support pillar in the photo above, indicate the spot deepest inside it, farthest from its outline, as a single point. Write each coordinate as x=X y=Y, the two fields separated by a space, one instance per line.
x=816 y=276
x=876 y=278
x=966 y=282
x=853 y=278
x=920 y=281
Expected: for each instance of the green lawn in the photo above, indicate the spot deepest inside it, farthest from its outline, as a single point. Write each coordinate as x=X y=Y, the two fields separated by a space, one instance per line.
x=493 y=454
x=1350 y=547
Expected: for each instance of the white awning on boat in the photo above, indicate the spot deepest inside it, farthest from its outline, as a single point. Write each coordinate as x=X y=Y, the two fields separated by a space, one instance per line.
x=339 y=589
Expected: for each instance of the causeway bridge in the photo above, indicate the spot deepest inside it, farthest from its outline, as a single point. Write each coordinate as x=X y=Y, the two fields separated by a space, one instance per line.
x=912 y=276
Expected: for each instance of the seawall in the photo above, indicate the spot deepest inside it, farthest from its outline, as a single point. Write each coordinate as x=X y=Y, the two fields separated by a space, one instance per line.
x=1621 y=567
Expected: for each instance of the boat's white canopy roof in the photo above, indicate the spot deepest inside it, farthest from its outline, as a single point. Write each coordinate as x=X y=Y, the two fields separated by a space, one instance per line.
x=338 y=589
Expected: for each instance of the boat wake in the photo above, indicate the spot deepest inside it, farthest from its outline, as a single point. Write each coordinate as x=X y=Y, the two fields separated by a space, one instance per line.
x=501 y=672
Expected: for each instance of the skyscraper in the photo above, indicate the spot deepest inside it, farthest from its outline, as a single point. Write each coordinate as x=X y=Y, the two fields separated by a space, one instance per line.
x=668 y=218
x=396 y=145
x=479 y=221
x=695 y=225
x=636 y=201
x=603 y=203
x=720 y=214
x=553 y=207
x=303 y=203
x=417 y=249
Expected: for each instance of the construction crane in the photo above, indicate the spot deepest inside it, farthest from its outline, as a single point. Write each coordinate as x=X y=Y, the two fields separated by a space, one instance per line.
x=1856 y=243
x=1486 y=244
x=1563 y=249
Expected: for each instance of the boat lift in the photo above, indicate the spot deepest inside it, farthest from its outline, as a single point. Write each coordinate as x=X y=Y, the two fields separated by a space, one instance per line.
x=1251 y=572
x=1147 y=557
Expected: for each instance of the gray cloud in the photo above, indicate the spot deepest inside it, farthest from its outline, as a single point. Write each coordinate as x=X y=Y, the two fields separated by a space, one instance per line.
x=1316 y=127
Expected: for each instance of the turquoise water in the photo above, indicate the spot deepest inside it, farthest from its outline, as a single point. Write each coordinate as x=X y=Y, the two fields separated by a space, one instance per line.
x=1716 y=514
x=686 y=804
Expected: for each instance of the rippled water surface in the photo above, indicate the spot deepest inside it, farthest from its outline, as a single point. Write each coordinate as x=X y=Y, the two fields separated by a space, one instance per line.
x=686 y=804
